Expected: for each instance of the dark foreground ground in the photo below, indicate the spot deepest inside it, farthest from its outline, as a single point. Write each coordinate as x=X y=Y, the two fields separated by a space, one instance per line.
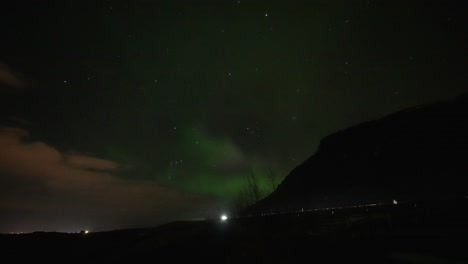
x=422 y=232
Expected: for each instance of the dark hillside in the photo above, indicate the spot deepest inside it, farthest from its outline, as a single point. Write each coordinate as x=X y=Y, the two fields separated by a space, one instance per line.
x=417 y=153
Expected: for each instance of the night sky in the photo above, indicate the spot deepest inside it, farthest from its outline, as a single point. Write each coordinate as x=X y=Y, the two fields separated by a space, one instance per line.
x=135 y=113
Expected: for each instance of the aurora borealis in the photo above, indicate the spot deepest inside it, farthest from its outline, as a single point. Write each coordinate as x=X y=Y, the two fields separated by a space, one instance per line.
x=132 y=113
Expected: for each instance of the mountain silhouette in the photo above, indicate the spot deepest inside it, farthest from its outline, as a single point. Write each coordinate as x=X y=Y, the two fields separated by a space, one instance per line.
x=417 y=153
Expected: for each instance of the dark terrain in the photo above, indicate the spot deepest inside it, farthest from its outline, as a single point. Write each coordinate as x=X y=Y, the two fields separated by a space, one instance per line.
x=417 y=232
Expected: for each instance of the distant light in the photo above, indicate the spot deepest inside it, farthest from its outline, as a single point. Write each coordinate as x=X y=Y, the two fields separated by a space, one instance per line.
x=86 y=231
x=395 y=202
x=224 y=217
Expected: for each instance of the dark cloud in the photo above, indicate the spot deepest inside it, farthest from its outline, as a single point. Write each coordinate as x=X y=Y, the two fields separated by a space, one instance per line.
x=11 y=78
x=87 y=162
x=40 y=181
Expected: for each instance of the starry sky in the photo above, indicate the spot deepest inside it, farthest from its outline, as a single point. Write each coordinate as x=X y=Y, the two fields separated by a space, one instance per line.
x=120 y=114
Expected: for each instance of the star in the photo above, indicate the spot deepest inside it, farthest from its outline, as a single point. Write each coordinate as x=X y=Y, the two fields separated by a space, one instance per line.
x=266 y=14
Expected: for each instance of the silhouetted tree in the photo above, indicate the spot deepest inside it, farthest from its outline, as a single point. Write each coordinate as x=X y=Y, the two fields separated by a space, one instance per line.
x=249 y=194
x=273 y=179
x=254 y=193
